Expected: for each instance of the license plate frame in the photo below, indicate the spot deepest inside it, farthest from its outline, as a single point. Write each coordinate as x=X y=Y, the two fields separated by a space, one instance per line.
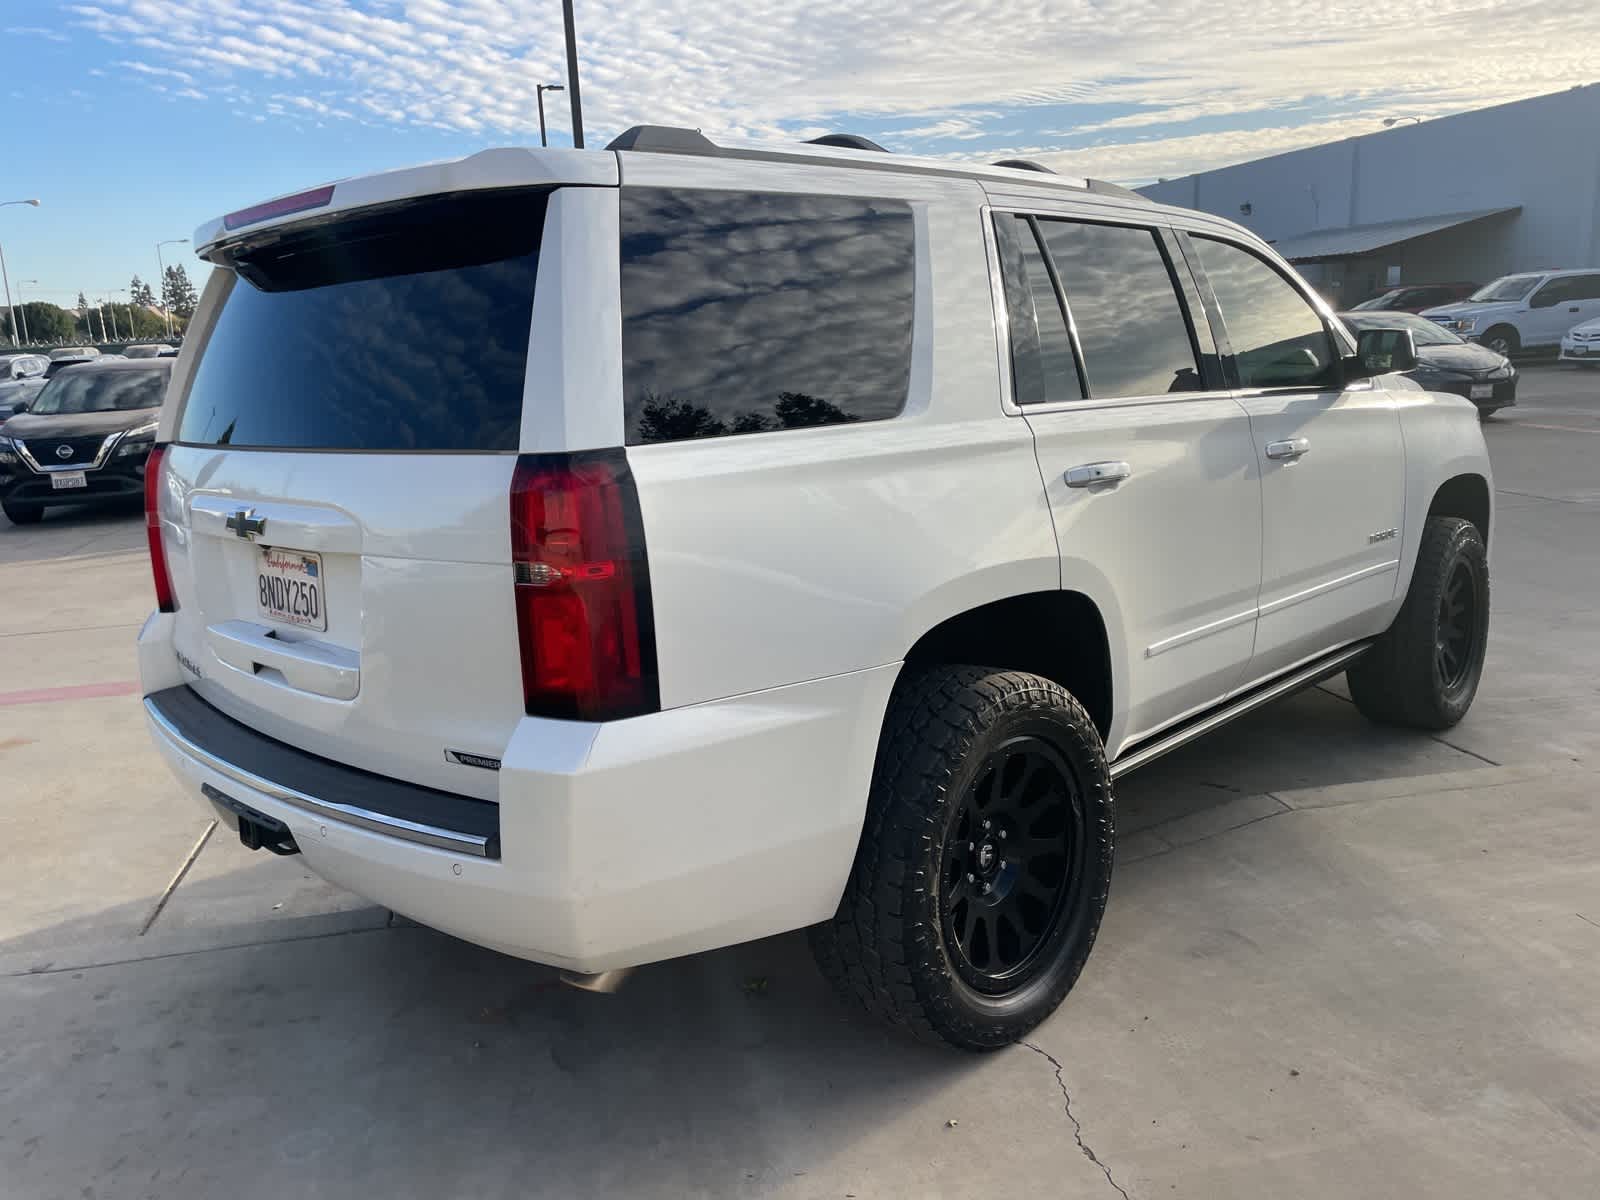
x=290 y=588
x=1482 y=391
x=1578 y=351
x=68 y=480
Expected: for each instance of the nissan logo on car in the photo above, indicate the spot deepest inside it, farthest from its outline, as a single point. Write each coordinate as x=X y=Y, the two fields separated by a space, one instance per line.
x=63 y=452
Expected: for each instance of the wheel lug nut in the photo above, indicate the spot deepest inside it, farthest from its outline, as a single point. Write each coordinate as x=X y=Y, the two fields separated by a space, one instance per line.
x=1002 y=835
x=971 y=878
x=987 y=888
x=986 y=824
x=971 y=846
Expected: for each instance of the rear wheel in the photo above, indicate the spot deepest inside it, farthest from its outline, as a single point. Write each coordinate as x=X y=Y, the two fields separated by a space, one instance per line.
x=1424 y=671
x=1502 y=339
x=22 y=514
x=984 y=863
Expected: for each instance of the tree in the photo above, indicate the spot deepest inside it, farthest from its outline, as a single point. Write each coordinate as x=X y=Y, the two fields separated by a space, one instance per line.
x=177 y=293
x=668 y=419
x=139 y=293
x=45 y=322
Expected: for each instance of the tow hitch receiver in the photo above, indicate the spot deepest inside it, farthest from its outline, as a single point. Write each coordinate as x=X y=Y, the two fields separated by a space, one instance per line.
x=257 y=831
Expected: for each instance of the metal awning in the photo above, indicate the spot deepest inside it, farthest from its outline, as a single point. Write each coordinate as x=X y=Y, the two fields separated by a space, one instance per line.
x=1323 y=244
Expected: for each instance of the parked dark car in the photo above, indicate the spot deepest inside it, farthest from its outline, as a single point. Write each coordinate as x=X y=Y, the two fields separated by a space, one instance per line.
x=1445 y=363
x=1415 y=297
x=82 y=440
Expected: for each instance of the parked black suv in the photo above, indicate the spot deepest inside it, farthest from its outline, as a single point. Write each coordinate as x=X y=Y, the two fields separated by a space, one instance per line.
x=83 y=439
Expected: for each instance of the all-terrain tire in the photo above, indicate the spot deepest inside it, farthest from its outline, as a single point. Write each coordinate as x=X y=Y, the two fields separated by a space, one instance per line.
x=23 y=514
x=1408 y=677
x=886 y=947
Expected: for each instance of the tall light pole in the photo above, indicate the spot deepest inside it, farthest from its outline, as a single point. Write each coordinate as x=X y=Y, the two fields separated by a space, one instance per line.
x=3 y=277
x=114 y=335
x=1391 y=122
x=542 y=89
x=574 y=97
x=22 y=283
x=161 y=278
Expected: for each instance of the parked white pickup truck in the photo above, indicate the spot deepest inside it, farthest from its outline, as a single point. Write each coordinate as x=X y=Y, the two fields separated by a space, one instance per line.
x=604 y=557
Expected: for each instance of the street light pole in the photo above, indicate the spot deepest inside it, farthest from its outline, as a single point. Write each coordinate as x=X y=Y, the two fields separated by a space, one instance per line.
x=22 y=283
x=161 y=278
x=542 y=88
x=576 y=101
x=3 y=278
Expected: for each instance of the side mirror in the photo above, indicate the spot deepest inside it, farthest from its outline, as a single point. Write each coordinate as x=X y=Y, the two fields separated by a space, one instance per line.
x=1380 y=351
x=21 y=406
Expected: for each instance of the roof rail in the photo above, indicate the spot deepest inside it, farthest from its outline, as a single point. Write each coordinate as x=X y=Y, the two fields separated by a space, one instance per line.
x=1102 y=188
x=846 y=141
x=1023 y=164
x=663 y=139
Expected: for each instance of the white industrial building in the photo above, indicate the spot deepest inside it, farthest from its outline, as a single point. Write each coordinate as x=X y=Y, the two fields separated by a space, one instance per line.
x=1469 y=197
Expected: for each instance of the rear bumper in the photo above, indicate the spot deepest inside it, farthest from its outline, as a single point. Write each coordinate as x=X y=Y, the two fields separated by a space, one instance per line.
x=619 y=843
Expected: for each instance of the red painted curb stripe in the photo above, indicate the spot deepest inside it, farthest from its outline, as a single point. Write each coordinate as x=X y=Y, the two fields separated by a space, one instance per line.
x=82 y=691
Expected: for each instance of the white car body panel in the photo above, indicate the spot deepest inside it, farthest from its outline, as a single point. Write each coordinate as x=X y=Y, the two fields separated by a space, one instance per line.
x=791 y=573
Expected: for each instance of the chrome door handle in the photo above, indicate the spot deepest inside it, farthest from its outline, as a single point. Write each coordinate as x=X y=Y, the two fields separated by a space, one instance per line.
x=1091 y=474
x=1288 y=449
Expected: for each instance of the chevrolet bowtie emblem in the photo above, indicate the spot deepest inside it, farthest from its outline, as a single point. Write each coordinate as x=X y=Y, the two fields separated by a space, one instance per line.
x=245 y=523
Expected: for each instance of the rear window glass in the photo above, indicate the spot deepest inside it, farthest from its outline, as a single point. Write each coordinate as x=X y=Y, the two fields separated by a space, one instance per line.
x=745 y=312
x=403 y=329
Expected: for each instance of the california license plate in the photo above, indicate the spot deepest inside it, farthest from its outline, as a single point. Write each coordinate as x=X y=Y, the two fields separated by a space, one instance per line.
x=289 y=588
x=68 y=479
x=1483 y=391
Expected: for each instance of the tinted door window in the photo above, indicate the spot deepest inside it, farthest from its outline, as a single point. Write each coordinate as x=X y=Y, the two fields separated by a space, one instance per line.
x=744 y=312
x=1131 y=327
x=1571 y=289
x=1044 y=369
x=1278 y=338
x=403 y=329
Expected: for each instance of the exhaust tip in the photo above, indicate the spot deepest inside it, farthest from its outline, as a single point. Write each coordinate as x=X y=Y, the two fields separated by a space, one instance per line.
x=605 y=982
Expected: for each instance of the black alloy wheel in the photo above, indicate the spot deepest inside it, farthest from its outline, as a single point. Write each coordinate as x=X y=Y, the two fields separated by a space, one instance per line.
x=1458 y=626
x=1012 y=859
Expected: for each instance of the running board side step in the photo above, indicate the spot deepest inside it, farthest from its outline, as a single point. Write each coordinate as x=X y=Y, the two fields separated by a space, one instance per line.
x=1312 y=673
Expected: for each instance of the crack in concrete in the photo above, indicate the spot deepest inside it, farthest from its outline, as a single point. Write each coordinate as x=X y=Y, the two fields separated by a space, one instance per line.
x=1077 y=1125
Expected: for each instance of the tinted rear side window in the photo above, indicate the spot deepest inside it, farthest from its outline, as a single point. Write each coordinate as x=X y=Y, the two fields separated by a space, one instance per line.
x=744 y=312
x=1043 y=368
x=1131 y=328
x=402 y=329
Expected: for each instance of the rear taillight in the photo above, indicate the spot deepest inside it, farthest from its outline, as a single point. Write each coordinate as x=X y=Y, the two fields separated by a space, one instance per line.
x=165 y=600
x=582 y=588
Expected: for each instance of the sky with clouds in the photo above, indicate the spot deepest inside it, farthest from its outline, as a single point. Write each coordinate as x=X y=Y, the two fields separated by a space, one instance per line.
x=135 y=120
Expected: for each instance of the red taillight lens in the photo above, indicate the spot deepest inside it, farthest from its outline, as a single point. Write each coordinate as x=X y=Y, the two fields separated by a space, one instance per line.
x=165 y=600
x=582 y=588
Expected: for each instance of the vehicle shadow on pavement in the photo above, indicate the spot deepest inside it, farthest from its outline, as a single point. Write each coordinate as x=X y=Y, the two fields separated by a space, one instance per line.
x=69 y=532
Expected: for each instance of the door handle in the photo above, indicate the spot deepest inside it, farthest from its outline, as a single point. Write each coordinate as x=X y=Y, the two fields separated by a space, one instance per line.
x=1091 y=474
x=1289 y=449
x=1575 y=308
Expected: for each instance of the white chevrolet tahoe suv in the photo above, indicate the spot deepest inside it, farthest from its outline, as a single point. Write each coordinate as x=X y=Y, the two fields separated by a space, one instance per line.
x=604 y=557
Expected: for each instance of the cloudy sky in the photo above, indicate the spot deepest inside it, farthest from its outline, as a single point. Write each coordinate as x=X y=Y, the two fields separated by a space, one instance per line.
x=134 y=120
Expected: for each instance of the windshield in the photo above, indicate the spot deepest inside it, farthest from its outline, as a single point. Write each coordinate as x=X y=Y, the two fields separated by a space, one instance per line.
x=1423 y=331
x=89 y=391
x=1510 y=287
x=1383 y=301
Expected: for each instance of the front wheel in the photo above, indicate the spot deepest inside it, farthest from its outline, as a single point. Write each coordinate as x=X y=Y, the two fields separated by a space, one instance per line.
x=22 y=514
x=985 y=859
x=1424 y=671
x=1503 y=340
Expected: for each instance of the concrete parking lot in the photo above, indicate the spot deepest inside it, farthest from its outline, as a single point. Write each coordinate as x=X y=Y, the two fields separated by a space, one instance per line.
x=1338 y=961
